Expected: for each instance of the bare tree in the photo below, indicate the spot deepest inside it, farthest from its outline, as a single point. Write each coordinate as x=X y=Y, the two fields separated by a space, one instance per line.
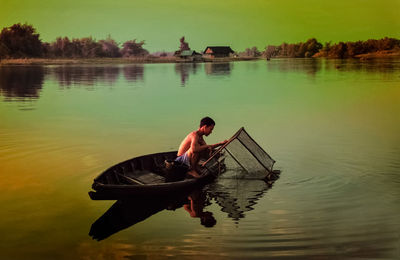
x=184 y=45
x=133 y=49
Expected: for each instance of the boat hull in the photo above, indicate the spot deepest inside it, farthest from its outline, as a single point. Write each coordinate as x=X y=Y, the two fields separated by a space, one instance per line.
x=143 y=176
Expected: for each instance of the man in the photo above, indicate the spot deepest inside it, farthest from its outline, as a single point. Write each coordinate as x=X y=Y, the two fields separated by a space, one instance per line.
x=193 y=146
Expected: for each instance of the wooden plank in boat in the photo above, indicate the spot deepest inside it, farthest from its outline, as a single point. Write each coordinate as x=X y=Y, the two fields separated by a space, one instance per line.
x=129 y=179
x=150 y=178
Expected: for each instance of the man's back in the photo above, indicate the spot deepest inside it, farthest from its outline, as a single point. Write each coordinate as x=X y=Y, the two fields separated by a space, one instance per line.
x=187 y=142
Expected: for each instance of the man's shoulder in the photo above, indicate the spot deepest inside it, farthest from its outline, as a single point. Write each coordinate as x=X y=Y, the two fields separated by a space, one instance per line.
x=193 y=134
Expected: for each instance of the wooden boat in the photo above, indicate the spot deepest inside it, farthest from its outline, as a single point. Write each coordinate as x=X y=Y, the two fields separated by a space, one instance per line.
x=147 y=176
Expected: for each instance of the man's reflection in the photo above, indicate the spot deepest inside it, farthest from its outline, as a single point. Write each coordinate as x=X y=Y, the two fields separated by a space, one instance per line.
x=195 y=207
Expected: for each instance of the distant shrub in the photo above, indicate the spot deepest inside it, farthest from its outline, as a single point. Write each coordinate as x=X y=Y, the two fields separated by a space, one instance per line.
x=296 y=50
x=133 y=49
x=20 y=40
x=351 y=49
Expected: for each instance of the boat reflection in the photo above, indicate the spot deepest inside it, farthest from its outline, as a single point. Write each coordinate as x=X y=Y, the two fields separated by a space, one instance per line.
x=126 y=213
x=234 y=196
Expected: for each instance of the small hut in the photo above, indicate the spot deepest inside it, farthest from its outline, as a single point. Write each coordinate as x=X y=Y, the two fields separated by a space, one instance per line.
x=190 y=55
x=217 y=51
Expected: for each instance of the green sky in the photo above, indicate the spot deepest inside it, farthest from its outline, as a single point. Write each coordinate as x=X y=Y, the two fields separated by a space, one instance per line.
x=238 y=23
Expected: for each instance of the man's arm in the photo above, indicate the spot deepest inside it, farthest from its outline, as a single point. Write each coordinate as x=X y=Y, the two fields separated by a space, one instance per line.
x=212 y=146
x=196 y=147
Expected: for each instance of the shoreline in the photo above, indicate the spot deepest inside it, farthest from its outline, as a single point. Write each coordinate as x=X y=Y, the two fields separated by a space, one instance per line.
x=81 y=61
x=389 y=54
x=379 y=55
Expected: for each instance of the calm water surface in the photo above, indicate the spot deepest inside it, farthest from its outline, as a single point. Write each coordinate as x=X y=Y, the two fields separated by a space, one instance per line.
x=332 y=126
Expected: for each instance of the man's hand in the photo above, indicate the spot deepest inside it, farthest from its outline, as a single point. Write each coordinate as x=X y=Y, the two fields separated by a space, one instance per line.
x=218 y=144
x=223 y=142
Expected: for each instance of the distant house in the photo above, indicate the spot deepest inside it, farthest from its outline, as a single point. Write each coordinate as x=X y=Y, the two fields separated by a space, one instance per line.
x=217 y=51
x=189 y=55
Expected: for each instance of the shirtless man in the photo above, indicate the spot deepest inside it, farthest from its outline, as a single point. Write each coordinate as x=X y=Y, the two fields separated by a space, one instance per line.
x=193 y=146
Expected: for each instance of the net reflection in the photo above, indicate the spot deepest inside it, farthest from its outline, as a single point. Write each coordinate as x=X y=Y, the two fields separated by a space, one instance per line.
x=21 y=82
x=218 y=68
x=89 y=76
x=184 y=70
x=237 y=196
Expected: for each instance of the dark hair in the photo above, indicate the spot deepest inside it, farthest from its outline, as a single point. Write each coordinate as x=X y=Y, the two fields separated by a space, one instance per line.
x=207 y=121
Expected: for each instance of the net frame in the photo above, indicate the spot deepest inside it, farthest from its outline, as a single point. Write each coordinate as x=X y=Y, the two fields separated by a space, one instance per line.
x=256 y=154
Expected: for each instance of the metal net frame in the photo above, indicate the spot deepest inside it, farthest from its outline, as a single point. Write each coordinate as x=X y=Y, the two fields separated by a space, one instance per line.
x=243 y=152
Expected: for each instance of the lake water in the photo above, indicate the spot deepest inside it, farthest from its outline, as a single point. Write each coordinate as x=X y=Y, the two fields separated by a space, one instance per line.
x=332 y=126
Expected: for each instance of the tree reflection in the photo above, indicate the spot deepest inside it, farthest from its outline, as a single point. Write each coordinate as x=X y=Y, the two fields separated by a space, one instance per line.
x=133 y=73
x=314 y=65
x=373 y=65
x=184 y=69
x=310 y=66
x=21 y=82
x=85 y=75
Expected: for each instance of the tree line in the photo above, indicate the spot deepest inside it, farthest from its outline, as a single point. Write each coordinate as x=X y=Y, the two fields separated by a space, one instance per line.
x=341 y=50
x=22 y=41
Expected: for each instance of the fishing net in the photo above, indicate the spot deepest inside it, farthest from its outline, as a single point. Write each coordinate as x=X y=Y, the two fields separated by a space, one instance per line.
x=241 y=156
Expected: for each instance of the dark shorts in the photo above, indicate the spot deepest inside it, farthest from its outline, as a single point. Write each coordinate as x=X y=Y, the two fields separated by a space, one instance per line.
x=184 y=158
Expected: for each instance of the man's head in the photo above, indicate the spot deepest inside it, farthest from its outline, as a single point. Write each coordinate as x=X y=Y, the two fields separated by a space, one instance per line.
x=207 y=125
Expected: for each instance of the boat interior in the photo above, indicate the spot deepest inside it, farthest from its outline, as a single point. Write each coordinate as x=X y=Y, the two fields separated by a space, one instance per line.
x=138 y=171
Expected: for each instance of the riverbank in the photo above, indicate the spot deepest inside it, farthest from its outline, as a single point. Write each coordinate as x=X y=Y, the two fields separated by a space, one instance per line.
x=395 y=53
x=82 y=61
x=379 y=55
x=77 y=61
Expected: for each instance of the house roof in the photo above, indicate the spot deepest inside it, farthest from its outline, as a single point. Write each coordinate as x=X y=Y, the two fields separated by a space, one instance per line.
x=188 y=53
x=219 y=49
